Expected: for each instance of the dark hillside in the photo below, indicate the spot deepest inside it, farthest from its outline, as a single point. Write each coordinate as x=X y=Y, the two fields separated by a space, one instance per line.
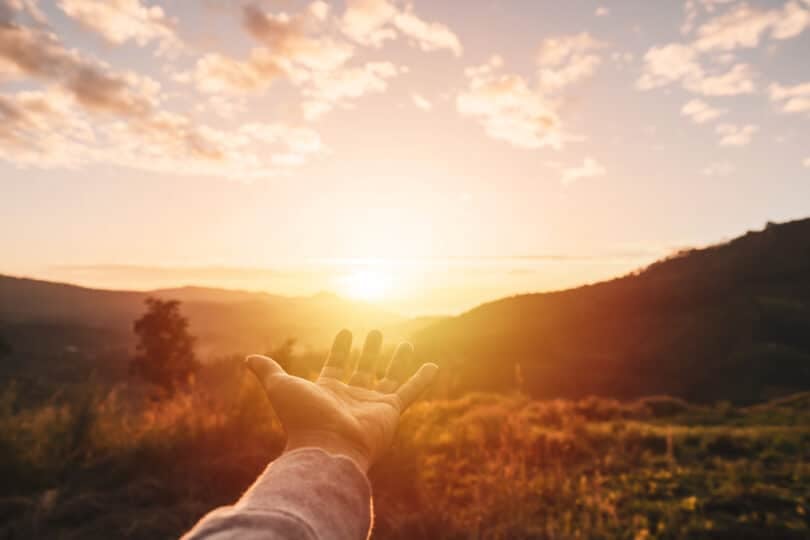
x=731 y=321
x=40 y=317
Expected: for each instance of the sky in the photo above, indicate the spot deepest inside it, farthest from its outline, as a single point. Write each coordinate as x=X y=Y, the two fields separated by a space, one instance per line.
x=427 y=156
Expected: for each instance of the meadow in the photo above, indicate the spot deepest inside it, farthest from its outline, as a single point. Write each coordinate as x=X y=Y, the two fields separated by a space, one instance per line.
x=94 y=461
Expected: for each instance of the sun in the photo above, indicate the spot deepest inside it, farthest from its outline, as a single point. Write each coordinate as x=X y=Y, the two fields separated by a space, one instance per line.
x=367 y=284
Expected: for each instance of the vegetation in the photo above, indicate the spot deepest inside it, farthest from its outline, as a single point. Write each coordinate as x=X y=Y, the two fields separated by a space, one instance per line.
x=95 y=464
x=165 y=351
x=728 y=322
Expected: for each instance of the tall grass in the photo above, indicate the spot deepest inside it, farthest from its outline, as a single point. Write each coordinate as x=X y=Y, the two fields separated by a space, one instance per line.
x=99 y=463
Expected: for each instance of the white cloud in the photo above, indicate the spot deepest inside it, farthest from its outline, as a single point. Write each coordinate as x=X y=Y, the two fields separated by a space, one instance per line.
x=91 y=113
x=297 y=39
x=589 y=168
x=429 y=36
x=119 y=21
x=215 y=73
x=667 y=64
x=732 y=135
x=372 y=22
x=366 y=21
x=806 y=162
x=327 y=90
x=701 y=112
x=421 y=102
x=567 y=59
x=720 y=168
x=744 y=26
x=741 y=26
x=791 y=99
x=737 y=80
x=601 y=11
x=508 y=108
x=676 y=62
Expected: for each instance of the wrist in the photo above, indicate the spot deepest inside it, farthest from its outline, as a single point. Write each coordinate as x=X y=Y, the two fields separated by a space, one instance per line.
x=331 y=443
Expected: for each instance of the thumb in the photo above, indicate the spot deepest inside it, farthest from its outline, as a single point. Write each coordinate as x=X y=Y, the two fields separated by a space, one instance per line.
x=417 y=384
x=265 y=369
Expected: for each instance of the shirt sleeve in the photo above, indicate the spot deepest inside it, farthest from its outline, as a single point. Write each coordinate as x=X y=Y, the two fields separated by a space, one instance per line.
x=306 y=494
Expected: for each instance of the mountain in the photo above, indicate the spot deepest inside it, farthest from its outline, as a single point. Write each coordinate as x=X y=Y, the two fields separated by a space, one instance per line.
x=39 y=316
x=728 y=322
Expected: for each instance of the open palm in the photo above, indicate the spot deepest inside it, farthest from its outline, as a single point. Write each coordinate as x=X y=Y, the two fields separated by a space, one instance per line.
x=357 y=419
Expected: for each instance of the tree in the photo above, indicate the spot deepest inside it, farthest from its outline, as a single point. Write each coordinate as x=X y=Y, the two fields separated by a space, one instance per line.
x=5 y=348
x=164 y=354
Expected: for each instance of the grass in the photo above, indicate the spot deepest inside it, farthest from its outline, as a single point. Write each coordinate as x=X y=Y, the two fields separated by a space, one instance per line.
x=93 y=463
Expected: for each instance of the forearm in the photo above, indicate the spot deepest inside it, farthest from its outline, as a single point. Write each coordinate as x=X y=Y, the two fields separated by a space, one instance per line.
x=306 y=493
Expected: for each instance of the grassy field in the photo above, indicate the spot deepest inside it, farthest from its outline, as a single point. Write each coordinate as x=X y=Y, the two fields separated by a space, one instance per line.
x=93 y=462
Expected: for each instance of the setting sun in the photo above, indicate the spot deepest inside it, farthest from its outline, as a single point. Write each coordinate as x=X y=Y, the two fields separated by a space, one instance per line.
x=369 y=285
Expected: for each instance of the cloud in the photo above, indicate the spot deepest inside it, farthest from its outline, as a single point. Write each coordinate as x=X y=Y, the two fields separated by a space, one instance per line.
x=421 y=102
x=41 y=129
x=90 y=113
x=39 y=54
x=791 y=99
x=601 y=11
x=429 y=36
x=215 y=73
x=806 y=162
x=366 y=21
x=740 y=27
x=677 y=62
x=10 y=8
x=719 y=168
x=732 y=135
x=737 y=80
x=508 y=109
x=590 y=168
x=327 y=90
x=700 y=112
x=567 y=59
x=744 y=26
x=372 y=22
x=119 y=21
x=50 y=129
x=297 y=48
x=667 y=64
x=289 y=40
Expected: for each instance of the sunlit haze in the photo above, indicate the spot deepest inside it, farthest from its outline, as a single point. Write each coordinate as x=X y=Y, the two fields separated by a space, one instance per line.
x=424 y=156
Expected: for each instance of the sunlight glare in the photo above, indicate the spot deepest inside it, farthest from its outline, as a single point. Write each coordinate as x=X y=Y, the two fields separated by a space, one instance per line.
x=367 y=284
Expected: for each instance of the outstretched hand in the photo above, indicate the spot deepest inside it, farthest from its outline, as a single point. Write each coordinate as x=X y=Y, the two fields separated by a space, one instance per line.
x=356 y=420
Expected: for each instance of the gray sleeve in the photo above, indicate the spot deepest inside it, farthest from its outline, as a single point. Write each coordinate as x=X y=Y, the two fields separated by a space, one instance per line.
x=306 y=494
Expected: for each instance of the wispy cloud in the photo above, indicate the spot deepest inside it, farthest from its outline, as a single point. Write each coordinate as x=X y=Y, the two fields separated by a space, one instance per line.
x=719 y=168
x=701 y=112
x=421 y=102
x=791 y=99
x=733 y=135
x=372 y=22
x=508 y=108
x=567 y=59
x=590 y=168
x=698 y=64
x=119 y=21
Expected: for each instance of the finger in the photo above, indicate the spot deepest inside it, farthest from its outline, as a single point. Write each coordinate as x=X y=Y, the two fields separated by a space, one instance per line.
x=397 y=368
x=364 y=374
x=339 y=355
x=417 y=384
x=265 y=369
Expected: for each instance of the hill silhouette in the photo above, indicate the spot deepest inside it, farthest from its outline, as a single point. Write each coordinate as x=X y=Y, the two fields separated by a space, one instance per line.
x=40 y=318
x=731 y=321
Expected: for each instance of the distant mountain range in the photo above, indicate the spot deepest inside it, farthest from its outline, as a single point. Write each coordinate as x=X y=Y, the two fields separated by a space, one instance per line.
x=731 y=321
x=225 y=321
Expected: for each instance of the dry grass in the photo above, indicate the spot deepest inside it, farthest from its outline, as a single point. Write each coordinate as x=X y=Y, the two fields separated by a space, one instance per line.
x=108 y=464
